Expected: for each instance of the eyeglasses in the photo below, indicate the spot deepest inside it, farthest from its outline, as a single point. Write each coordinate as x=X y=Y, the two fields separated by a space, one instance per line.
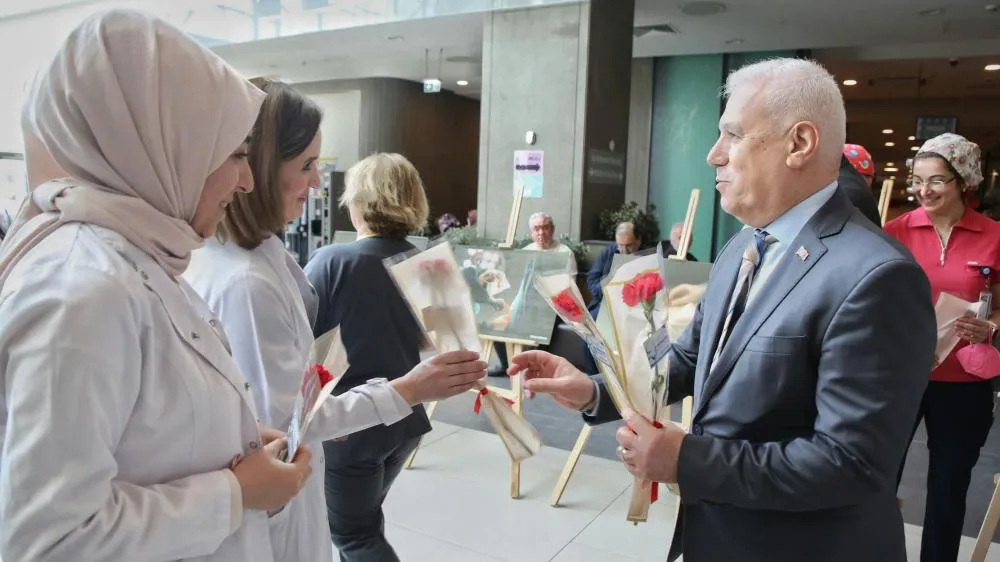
x=916 y=184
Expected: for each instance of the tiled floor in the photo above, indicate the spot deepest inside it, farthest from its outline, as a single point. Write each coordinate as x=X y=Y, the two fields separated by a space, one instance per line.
x=454 y=505
x=559 y=428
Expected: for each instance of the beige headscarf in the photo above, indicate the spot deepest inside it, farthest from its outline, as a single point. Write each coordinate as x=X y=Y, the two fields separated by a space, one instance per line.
x=136 y=115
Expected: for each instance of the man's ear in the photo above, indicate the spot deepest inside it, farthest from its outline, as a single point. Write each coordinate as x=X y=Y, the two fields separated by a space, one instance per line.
x=803 y=144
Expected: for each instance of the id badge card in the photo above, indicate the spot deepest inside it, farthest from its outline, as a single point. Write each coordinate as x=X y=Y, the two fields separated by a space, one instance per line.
x=986 y=306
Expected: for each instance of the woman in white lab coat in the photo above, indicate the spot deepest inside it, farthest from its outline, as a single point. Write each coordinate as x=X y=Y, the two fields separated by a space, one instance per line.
x=266 y=306
x=121 y=409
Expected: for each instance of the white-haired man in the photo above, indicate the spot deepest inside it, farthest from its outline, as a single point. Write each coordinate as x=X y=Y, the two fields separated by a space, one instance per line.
x=807 y=356
x=543 y=238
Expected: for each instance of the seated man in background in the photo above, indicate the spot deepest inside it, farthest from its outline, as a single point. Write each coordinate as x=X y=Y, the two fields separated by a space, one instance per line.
x=626 y=242
x=543 y=238
x=671 y=246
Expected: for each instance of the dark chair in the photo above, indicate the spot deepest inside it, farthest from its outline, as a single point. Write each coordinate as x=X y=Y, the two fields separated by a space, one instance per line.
x=567 y=344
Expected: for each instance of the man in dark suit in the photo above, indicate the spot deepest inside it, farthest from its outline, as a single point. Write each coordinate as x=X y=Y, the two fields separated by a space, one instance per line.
x=806 y=358
x=626 y=242
x=670 y=246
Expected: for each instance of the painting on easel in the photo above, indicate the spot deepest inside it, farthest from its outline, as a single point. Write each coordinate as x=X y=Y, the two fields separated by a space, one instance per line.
x=506 y=305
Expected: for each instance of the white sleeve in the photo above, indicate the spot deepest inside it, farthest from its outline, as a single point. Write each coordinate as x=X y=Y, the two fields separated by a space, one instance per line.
x=361 y=407
x=255 y=316
x=71 y=359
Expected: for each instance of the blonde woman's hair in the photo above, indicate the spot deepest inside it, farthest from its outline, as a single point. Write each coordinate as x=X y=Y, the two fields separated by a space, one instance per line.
x=387 y=192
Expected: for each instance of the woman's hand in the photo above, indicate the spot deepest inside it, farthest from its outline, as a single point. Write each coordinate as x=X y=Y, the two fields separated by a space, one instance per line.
x=266 y=482
x=268 y=434
x=974 y=330
x=685 y=294
x=440 y=377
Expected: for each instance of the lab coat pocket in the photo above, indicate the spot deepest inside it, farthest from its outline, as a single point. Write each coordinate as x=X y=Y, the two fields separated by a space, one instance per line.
x=279 y=527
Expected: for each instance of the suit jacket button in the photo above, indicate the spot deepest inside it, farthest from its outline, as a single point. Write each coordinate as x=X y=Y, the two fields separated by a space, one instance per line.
x=696 y=429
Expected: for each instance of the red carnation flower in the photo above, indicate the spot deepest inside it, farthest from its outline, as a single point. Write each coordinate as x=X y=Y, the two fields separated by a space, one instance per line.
x=566 y=305
x=642 y=289
x=324 y=375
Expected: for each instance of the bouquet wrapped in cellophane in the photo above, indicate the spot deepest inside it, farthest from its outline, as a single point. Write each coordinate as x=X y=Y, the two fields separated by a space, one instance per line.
x=327 y=364
x=562 y=294
x=432 y=284
x=636 y=301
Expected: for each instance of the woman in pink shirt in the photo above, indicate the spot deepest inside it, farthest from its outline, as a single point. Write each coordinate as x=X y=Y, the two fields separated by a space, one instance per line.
x=959 y=250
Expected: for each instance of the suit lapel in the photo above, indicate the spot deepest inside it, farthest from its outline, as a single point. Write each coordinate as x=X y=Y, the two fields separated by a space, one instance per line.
x=790 y=270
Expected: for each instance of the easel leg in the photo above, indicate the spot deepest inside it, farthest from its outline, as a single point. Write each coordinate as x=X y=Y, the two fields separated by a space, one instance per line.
x=985 y=536
x=430 y=414
x=570 y=466
x=514 y=349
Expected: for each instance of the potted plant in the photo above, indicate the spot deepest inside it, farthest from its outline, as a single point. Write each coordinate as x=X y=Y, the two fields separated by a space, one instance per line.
x=646 y=226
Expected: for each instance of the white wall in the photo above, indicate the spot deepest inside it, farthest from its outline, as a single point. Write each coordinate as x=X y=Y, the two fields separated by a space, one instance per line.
x=27 y=42
x=341 y=126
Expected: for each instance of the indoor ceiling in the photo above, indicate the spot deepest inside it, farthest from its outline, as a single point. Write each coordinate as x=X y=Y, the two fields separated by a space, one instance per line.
x=763 y=25
x=891 y=95
x=886 y=29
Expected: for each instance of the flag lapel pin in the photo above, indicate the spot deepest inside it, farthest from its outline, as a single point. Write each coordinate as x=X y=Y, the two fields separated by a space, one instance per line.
x=802 y=253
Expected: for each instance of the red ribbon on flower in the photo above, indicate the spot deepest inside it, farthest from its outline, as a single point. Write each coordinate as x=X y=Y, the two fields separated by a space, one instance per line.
x=654 y=487
x=479 y=400
x=566 y=305
x=323 y=374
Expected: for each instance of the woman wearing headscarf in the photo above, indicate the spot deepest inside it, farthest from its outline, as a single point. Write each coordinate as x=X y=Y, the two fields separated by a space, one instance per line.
x=128 y=431
x=857 y=172
x=959 y=250
x=267 y=307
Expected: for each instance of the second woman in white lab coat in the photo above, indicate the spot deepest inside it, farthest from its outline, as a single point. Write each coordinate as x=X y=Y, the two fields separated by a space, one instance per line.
x=121 y=410
x=266 y=306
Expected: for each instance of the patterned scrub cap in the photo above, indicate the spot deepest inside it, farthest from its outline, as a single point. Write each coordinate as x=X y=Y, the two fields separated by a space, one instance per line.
x=860 y=159
x=962 y=154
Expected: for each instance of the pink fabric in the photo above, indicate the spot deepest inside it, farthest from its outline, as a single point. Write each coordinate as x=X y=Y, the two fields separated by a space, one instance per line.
x=130 y=118
x=980 y=359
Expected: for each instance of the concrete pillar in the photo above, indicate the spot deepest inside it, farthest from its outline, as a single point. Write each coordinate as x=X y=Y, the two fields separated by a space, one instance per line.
x=562 y=72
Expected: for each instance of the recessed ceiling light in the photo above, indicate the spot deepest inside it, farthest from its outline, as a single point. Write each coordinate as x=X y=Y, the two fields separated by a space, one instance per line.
x=931 y=12
x=850 y=82
x=892 y=178
x=462 y=82
x=992 y=67
x=890 y=164
x=911 y=137
x=886 y=131
x=890 y=143
x=892 y=169
x=914 y=148
x=702 y=8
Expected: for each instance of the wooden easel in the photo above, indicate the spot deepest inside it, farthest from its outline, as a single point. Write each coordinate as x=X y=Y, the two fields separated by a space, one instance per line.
x=514 y=347
x=885 y=197
x=686 y=231
x=584 y=436
x=989 y=526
